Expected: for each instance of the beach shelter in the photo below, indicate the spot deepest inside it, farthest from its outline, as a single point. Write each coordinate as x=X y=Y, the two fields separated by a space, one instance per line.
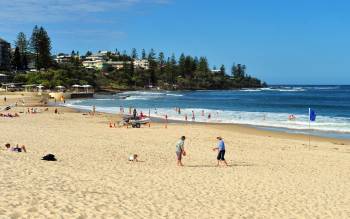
x=40 y=87
x=29 y=87
x=76 y=87
x=60 y=88
x=86 y=87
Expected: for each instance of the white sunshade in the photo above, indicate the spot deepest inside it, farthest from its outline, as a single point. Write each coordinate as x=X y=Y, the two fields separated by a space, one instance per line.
x=39 y=86
x=60 y=86
x=86 y=85
x=76 y=85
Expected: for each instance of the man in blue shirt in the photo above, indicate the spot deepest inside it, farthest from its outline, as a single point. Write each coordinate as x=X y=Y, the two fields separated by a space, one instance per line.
x=221 y=151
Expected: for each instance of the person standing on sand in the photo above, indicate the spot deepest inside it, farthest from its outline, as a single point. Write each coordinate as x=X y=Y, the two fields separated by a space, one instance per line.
x=180 y=150
x=93 y=110
x=134 y=113
x=221 y=151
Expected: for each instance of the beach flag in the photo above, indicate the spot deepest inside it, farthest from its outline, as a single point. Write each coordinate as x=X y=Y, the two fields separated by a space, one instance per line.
x=312 y=115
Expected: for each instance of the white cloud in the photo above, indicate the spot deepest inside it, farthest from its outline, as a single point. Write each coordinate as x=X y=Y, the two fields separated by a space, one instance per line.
x=24 y=11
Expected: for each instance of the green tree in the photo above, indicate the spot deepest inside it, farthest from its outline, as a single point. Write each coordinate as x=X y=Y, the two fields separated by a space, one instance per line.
x=181 y=66
x=152 y=68
x=134 y=53
x=34 y=45
x=22 y=44
x=161 y=69
x=143 y=56
x=41 y=47
x=88 y=53
x=152 y=55
x=222 y=70
x=171 y=70
x=17 y=60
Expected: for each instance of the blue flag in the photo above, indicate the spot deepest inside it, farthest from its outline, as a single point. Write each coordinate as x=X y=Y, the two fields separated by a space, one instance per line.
x=312 y=115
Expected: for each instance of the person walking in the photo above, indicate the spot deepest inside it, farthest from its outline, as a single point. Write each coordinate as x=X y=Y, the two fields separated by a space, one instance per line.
x=93 y=110
x=180 y=150
x=221 y=151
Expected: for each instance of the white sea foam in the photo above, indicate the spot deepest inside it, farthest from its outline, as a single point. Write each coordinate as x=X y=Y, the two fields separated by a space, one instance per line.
x=106 y=99
x=276 y=120
x=285 y=89
x=175 y=95
x=251 y=90
x=147 y=93
x=281 y=89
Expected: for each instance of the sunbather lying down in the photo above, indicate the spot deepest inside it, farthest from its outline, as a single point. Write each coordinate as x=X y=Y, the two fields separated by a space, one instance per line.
x=9 y=115
x=16 y=148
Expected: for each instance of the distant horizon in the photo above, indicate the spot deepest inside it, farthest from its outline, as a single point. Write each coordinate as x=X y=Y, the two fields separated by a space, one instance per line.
x=299 y=42
x=308 y=84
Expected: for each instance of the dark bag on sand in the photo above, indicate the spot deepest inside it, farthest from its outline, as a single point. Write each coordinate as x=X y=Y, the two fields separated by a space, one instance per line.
x=49 y=157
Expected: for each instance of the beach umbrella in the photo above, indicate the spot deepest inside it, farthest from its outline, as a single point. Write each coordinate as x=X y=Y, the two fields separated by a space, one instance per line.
x=40 y=86
x=60 y=87
x=76 y=85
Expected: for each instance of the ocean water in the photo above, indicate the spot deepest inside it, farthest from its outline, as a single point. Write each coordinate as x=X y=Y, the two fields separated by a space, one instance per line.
x=268 y=108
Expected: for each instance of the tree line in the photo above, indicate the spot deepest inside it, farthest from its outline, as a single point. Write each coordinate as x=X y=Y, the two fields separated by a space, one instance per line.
x=184 y=72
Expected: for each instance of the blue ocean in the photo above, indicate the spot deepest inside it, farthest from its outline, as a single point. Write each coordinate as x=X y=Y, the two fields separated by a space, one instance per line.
x=283 y=108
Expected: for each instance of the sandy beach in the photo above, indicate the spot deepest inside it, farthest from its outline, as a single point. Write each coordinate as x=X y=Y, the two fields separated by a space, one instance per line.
x=270 y=174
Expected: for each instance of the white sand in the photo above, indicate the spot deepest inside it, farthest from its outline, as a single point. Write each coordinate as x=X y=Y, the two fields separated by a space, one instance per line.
x=268 y=177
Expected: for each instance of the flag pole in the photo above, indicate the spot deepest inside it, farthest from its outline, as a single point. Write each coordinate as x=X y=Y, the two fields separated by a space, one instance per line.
x=309 y=133
x=309 y=127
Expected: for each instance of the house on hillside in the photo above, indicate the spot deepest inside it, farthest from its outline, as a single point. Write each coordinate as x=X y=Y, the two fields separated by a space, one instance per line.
x=63 y=58
x=141 y=63
x=95 y=61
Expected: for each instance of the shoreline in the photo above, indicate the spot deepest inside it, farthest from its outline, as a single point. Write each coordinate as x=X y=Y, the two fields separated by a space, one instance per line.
x=34 y=101
x=255 y=130
x=259 y=130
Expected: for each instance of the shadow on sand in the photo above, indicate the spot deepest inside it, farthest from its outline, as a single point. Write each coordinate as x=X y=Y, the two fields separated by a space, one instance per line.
x=236 y=164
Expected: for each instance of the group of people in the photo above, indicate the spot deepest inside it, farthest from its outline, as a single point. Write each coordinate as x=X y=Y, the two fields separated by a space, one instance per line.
x=180 y=151
x=10 y=115
x=16 y=148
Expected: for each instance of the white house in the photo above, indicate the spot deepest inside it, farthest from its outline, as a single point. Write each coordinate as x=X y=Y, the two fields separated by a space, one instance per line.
x=96 y=61
x=141 y=63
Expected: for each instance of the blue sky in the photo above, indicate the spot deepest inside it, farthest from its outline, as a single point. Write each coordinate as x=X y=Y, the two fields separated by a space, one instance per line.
x=280 y=41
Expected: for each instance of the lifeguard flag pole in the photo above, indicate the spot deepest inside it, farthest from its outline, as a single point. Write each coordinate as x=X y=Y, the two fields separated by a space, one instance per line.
x=149 y=117
x=312 y=118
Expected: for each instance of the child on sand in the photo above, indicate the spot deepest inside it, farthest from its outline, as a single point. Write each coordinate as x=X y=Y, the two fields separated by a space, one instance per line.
x=180 y=150
x=133 y=157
